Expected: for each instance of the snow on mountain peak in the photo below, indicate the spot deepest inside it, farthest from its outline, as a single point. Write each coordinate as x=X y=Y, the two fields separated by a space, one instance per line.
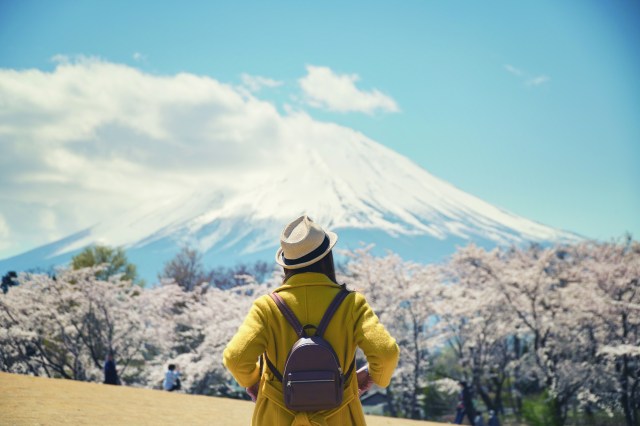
x=351 y=183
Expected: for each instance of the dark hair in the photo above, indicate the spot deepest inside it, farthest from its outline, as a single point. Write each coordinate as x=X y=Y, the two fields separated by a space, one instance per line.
x=172 y=367
x=322 y=266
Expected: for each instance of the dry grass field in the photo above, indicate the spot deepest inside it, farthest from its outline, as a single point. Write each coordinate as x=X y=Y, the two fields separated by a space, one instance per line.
x=26 y=400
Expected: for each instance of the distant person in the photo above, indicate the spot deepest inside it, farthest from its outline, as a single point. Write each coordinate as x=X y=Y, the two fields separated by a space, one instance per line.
x=465 y=405
x=479 y=419
x=459 y=408
x=171 y=379
x=309 y=292
x=493 y=419
x=110 y=373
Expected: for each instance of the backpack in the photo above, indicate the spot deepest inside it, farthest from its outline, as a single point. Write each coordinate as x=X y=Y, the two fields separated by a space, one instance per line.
x=312 y=378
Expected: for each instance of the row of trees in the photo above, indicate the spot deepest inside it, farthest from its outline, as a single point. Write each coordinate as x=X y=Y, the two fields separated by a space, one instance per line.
x=64 y=326
x=560 y=322
x=186 y=268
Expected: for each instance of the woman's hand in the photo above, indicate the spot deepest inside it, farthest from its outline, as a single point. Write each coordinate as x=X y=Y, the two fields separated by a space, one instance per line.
x=364 y=379
x=253 y=390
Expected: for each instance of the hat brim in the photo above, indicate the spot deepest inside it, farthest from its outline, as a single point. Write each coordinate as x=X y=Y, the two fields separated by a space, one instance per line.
x=333 y=239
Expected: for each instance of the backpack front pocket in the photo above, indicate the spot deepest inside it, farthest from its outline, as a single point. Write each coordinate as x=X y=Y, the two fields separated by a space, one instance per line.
x=312 y=390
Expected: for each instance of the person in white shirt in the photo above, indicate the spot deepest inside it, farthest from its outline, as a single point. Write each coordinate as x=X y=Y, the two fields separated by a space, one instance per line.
x=171 y=379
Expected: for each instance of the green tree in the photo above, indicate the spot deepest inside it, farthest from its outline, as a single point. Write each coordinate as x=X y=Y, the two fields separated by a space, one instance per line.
x=114 y=261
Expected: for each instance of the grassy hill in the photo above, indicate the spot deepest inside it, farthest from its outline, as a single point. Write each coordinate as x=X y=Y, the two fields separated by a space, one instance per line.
x=29 y=400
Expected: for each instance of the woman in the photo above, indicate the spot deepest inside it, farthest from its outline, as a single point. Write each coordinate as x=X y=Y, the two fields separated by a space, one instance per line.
x=309 y=287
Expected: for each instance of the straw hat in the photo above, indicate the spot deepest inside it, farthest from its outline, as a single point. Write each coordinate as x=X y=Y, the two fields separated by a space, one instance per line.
x=303 y=242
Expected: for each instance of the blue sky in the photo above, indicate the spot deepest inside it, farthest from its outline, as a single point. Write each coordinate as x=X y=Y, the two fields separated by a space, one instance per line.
x=533 y=106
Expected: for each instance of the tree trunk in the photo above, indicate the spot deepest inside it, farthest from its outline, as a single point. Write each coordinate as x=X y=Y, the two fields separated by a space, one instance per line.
x=497 y=401
x=628 y=404
x=415 y=412
x=559 y=413
x=485 y=396
x=390 y=402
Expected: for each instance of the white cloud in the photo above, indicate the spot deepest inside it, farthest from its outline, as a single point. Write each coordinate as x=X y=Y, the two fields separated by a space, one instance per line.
x=92 y=139
x=526 y=78
x=325 y=89
x=513 y=70
x=537 y=81
x=4 y=233
x=255 y=82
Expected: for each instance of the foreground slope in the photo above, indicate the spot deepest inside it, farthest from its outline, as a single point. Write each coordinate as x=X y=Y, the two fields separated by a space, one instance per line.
x=41 y=401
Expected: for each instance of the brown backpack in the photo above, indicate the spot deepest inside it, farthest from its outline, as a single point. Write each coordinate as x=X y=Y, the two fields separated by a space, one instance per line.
x=312 y=378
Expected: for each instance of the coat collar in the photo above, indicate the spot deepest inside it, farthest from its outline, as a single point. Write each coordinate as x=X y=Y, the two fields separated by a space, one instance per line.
x=307 y=279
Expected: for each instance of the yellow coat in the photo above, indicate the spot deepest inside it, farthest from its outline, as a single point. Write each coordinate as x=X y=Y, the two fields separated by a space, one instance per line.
x=265 y=329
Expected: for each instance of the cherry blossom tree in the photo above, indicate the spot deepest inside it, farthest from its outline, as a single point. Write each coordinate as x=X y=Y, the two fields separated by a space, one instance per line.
x=65 y=326
x=399 y=293
x=572 y=308
x=474 y=323
x=609 y=309
x=203 y=327
x=533 y=284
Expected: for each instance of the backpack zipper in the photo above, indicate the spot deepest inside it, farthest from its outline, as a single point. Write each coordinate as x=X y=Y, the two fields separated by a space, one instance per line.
x=309 y=381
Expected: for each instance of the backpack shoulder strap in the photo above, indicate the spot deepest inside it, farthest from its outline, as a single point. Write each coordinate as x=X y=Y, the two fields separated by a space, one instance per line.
x=333 y=307
x=272 y=367
x=350 y=370
x=288 y=314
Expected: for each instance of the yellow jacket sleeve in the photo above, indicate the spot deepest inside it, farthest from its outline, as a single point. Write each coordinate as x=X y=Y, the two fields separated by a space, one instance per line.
x=379 y=347
x=241 y=355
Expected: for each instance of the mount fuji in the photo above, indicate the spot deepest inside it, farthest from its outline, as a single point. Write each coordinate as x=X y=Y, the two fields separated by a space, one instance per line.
x=364 y=191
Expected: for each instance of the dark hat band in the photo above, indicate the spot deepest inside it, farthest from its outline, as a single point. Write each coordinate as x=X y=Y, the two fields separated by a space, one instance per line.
x=310 y=256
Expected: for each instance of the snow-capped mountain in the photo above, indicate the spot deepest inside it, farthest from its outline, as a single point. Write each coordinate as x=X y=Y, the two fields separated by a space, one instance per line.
x=357 y=187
